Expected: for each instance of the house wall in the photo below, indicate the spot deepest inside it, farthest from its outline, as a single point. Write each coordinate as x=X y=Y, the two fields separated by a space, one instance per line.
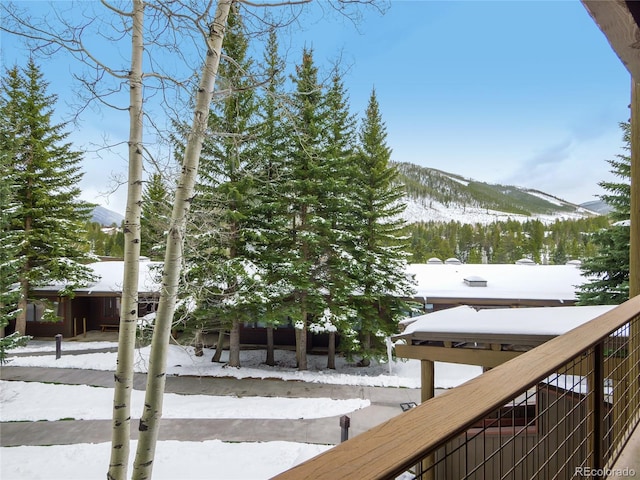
x=89 y=311
x=282 y=337
x=81 y=314
x=256 y=335
x=50 y=329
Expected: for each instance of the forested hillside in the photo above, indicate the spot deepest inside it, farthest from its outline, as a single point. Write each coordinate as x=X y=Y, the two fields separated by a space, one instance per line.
x=505 y=242
x=516 y=223
x=434 y=195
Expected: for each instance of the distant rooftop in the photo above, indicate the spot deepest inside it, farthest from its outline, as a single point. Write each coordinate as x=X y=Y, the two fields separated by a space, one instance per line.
x=110 y=278
x=531 y=326
x=529 y=281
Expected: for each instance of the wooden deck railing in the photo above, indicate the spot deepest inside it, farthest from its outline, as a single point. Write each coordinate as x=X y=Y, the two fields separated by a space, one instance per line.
x=584 y=388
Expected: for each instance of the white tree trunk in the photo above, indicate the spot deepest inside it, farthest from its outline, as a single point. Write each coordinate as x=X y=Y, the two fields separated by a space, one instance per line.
x=129 y=303
x=150 y=420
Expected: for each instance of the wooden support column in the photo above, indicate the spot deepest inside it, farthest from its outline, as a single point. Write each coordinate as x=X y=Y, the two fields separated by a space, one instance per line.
x=427 y=391
x=427 y=380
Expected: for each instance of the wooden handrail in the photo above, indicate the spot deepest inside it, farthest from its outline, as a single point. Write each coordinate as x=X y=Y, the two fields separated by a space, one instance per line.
x=389 y=449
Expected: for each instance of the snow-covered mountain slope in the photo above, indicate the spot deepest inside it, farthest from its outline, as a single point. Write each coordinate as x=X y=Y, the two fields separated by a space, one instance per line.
x=423 y=210
x=597 y=206
x=434 y=195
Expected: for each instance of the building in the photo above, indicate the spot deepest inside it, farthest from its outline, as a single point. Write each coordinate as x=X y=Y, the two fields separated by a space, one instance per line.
x=446 y=285
x=438 y=287
x=95 y=307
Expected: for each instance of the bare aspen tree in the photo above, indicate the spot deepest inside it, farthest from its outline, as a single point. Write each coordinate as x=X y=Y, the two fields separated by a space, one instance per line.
x=156 y=376
x=71 y=39
x=120 y=443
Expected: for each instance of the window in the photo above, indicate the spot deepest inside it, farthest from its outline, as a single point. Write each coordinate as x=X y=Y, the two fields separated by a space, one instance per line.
x=35 y=311
x=111 y=307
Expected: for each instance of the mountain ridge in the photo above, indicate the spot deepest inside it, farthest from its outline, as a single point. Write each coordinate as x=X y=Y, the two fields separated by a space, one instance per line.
x=106 y=217
x=435 y=195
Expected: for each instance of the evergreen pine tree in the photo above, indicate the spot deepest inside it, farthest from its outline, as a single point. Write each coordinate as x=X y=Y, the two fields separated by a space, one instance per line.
x=9 y=247
x=270 y=214
x=220 y=265
x=44 y=170
x=302 y=261
x=335 y=207
x=379 y=252
x=154 y=221
x=608 y=270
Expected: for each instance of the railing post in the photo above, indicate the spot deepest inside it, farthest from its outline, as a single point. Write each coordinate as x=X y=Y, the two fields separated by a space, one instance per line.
x=596 y=406
x=58 y=345
x=427 y=374
x=345 y=423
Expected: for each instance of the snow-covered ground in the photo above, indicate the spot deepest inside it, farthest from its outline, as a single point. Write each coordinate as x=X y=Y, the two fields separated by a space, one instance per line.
x=22 y=401
x=215 y=459
x=210 y=460
x=182 y=361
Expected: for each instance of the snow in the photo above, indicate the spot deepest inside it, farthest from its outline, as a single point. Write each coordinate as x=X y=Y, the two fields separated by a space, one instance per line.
x=459 y=180
x=205 y=460
x=45 y=346
x=110 y=276
x=504 y=281
x=208 y=459
x=22 y=401
x=506 y=321
x=182 y=361
x=546 y=197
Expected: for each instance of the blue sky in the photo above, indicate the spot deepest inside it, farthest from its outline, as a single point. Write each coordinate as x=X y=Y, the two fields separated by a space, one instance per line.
x=516 y=92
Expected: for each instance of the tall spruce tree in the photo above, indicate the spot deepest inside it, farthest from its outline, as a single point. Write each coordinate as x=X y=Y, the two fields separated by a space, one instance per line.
x=44 y=172
x=303 y=262
x=378 y=228
x=608 y=270
x=154 y=221
x=220 y=265
x=270 y=213
x=9 y=247
x=336 y=207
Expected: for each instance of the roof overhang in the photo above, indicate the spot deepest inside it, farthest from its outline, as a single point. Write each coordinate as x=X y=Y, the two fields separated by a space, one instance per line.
x=619 y=20
x=487 y=337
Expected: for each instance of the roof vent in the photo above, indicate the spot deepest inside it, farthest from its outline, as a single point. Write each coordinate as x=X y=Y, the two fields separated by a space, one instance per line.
x=434 y=261
x=453 y=261
x=475 y=281
x=525 y=261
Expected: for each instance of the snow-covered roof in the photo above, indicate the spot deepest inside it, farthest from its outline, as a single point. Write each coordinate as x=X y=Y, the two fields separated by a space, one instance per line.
x=533 y=282
x=506 y=282
x=110 y=276
x=466 y=324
